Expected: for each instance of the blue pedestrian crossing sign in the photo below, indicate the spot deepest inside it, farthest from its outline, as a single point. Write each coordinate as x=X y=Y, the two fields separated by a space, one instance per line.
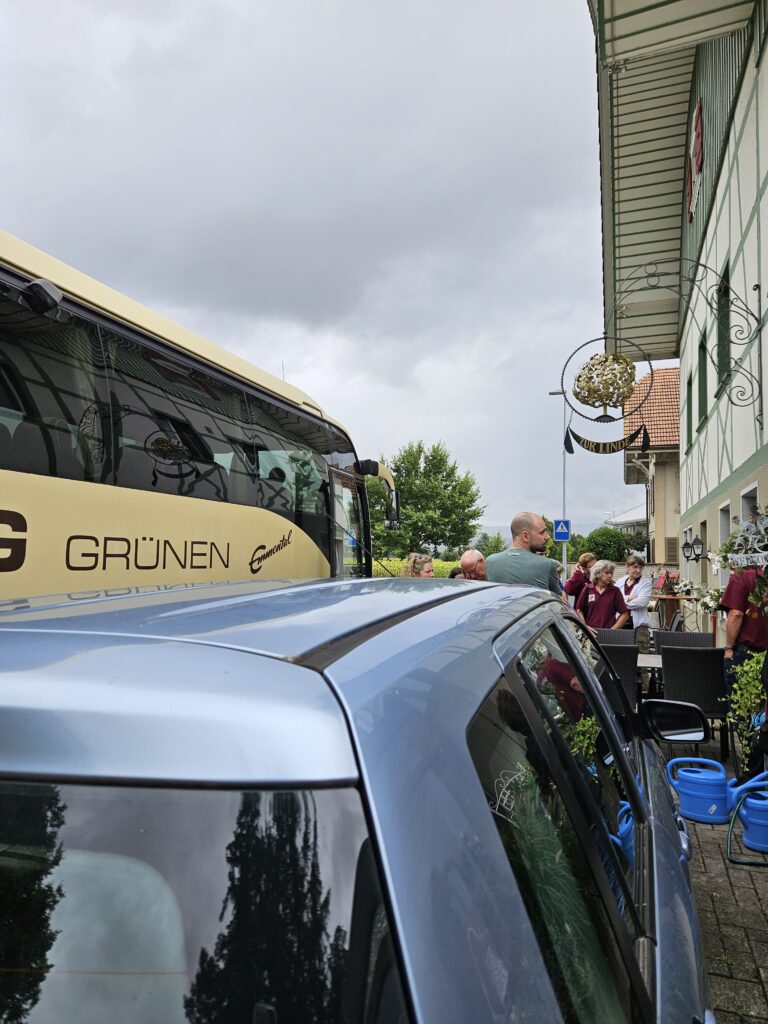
x=562 y=529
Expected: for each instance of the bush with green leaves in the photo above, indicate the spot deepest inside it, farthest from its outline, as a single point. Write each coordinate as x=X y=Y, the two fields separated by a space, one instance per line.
x=395 y=567
x=747 y=700
x=607 y=542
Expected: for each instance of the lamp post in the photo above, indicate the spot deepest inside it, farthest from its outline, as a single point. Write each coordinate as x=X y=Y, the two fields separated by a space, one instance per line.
x=565 y=424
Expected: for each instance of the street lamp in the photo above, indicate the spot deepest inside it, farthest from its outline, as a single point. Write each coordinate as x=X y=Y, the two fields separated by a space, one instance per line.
x=565 y=425
x=693 y=550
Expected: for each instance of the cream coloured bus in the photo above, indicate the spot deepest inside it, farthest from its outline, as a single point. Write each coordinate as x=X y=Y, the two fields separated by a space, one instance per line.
x=134 y=453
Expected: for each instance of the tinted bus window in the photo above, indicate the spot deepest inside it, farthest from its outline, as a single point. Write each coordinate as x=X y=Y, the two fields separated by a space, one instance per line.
x=180 y=430
x=52 y=396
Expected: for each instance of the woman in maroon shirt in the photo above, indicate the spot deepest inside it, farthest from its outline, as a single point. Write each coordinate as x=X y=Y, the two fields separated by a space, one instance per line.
x=580 y=578
x=600 y=603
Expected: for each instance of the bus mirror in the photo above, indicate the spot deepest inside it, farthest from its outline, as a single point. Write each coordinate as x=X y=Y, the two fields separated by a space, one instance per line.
x=369 y=467
x=42 y=296
x=393 y=510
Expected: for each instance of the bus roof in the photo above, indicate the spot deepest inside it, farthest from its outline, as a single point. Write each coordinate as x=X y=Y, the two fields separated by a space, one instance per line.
x=34 y=263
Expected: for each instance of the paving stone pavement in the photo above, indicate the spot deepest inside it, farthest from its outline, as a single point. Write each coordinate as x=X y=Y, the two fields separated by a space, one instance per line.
x=732 y=900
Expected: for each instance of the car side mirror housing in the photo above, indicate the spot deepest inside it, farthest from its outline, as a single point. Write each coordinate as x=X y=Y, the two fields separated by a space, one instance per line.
x=672 y=721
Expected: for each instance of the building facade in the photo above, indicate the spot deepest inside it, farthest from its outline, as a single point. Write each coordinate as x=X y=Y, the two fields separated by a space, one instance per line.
x=683 y=93
x=658 y=468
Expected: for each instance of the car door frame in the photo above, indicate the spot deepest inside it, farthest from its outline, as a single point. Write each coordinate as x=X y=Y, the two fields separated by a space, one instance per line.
x=509 y=648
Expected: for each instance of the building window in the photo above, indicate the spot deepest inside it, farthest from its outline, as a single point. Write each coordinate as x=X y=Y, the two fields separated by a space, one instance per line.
x=749 y=503
x=702 y=373
x=724 y=327
x=689 y=412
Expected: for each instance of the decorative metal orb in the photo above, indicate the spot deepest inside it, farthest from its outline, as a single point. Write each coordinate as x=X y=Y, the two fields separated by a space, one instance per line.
x=605 y=380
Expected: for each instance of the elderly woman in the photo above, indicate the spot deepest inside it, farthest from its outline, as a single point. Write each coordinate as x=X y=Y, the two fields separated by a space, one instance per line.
x=580 y=578
x=419 y=566
x=636 y=591
x=601 y=604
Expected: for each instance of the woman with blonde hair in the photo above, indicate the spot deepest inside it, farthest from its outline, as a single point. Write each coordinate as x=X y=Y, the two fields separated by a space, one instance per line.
x=419 y=566
x=580 y=578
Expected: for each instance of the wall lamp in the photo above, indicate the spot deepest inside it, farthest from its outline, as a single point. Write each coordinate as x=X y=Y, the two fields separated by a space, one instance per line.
x=693 y=550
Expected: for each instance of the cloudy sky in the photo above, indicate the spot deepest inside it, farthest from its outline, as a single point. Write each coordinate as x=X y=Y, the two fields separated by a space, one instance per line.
x=395 y=203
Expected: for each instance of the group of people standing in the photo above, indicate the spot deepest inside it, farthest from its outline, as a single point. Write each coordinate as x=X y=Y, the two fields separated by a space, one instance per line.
x=599 y=601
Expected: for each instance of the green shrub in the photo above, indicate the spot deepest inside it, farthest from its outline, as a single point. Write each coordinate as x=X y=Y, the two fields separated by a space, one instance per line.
x=747 y=700
x=395 y=566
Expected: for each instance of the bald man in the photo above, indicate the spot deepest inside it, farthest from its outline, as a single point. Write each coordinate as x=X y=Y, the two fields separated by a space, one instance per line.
x=473 y=564
x=523 y=561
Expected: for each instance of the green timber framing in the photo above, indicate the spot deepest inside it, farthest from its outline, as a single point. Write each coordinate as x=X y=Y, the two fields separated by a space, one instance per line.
x=654 y=61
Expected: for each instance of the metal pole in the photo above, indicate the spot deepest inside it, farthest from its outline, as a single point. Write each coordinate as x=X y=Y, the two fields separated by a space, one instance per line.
x=565 y=424
x=565 y=544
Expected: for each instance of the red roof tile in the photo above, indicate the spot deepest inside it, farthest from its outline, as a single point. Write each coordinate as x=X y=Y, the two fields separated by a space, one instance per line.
x=660 y=412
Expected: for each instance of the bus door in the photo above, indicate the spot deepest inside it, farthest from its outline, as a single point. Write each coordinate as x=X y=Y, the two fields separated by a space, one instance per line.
x=348 y=538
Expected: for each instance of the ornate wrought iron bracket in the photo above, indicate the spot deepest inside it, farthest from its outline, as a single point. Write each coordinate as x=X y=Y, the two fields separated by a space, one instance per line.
x=686 y=280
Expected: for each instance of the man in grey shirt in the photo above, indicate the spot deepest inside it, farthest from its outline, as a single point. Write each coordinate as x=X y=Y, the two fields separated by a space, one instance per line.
x=523 y=562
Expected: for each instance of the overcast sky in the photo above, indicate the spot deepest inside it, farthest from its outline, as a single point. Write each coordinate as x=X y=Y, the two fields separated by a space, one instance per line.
x=396 y=201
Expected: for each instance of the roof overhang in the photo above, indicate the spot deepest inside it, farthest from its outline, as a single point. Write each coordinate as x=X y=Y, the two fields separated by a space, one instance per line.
x=645 y=64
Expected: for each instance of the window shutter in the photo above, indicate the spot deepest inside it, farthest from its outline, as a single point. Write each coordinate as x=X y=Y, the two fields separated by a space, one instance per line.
x=671 y=550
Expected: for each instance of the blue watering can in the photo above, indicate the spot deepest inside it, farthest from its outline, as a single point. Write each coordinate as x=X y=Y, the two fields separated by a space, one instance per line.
x=702 y=788
x=705 y=793
x=625 y=840
x=751 y=800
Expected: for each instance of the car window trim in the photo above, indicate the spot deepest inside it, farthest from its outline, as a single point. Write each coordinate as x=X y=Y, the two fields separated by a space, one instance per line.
x=607 y=715
x=574 y=777
x=566 y=779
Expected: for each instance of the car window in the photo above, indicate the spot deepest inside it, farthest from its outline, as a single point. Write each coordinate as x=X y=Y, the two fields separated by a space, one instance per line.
x=605 y=676
x=192 y=907
x=552 y=867
x=572 y=714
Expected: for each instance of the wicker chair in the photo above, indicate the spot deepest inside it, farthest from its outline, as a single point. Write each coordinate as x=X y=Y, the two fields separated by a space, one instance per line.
x=616 y=637
x=623 y=659
x=695 y=675
x=667 y=638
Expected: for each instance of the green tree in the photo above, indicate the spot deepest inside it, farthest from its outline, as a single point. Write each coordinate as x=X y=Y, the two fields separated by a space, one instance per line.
x=606 y=542
x=577 y=545
x=637 y=541
x=489 y=543
x=554 y=547
x=439 y=504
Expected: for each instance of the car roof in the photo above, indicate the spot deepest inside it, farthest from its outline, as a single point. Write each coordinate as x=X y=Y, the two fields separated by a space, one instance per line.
x=219 y=684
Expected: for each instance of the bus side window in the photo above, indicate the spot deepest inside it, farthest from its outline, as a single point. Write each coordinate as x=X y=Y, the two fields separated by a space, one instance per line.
x=50 y=387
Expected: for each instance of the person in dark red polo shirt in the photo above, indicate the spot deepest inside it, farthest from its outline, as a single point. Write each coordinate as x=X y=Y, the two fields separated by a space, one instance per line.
x=580 y=578
x=746 y=627
x=600 y=603
x=566 y=686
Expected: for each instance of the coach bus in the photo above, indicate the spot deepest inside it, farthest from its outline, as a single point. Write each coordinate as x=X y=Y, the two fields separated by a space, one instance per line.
x=135 y=453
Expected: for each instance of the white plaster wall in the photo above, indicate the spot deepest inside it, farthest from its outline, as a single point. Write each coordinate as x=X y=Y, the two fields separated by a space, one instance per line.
x=737 y=231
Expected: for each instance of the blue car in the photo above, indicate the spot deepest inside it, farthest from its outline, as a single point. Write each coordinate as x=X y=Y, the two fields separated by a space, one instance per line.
x=361 y=802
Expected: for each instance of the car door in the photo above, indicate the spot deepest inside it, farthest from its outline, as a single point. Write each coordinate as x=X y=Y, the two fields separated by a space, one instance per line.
x=566 y=807
x=664 y=897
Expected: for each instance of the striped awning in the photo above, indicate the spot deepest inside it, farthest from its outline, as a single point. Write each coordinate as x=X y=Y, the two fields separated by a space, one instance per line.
x=646 y=56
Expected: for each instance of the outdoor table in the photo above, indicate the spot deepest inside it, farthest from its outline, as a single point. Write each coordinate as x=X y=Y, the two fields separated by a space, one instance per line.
x=648 y=660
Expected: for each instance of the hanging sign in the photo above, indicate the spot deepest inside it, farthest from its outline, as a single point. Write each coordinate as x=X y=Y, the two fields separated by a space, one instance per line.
x=605 y=447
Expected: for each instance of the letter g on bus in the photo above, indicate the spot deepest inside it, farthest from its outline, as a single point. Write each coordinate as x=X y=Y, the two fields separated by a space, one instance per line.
x=13 y=550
